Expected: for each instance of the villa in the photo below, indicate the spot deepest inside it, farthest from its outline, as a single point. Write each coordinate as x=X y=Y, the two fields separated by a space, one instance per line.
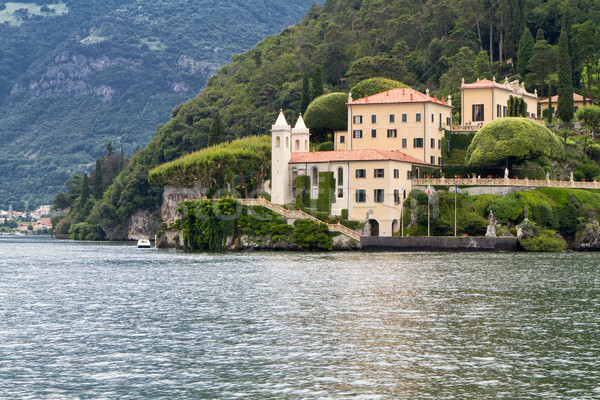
x=390 y=135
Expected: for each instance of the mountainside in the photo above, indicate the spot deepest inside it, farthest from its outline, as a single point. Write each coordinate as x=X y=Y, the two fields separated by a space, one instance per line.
x=76 y=74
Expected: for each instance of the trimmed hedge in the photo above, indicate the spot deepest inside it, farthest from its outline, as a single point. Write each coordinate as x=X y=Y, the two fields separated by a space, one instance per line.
x=326 y=191
x=303 y=191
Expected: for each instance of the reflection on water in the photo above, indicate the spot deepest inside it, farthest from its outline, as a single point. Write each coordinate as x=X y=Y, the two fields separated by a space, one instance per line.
x=89 y=320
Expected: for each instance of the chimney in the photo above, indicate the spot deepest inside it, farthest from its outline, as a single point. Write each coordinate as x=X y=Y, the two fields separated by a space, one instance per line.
x=411 y=97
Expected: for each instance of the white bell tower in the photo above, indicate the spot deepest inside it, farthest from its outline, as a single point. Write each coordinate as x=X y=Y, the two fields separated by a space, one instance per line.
x=281 y=134
x=300 y=137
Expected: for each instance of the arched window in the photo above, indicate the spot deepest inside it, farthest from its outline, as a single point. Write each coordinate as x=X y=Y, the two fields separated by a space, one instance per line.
x=287 y=143
x=315 y=176
x=297 y=145
x=340 y=182
x=277 y=141
x=306 y=145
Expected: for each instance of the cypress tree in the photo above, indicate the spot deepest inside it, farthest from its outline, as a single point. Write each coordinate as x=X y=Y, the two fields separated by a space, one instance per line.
x=305 y=98
x=85 y=189
x=98 y=179
x=539 y=35
x=514 y=20
x=217 y=129
x=110 y=149
x=524 y=53
x=482 y=67
x=122 y=159
x=317 y=83
x=549 y=103
x=564 y=109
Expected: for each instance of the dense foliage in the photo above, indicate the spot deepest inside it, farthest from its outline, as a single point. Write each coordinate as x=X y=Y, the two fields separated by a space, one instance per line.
x=75 y=74
x=326 y=114
x=372 y=86
x=243 y=162
x=509 y=141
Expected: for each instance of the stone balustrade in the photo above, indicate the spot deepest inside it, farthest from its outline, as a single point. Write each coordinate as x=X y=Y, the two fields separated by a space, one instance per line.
x=504 y=182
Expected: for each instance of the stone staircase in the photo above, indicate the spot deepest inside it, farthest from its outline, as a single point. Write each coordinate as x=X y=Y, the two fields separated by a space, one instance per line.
x=299 y=214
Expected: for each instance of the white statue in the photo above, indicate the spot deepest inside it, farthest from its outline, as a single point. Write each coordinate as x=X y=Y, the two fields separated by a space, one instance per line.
x=505 y=173
x=571 y=176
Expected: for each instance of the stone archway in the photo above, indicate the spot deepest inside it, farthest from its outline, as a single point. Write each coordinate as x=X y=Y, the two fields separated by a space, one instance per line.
x=373 y=227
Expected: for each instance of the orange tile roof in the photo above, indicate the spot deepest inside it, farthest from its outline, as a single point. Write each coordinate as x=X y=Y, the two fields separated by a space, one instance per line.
x=576 y=97
x=486 y=83
x=353 y=155
x=400 y=95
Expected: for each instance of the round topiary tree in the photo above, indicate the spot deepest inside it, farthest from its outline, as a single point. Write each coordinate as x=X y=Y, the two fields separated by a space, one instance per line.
x=326 y=114
x=372 y=86
x=510 y=141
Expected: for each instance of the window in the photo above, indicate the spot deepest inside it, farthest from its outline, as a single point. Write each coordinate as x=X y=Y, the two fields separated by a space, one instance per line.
x=373 y=133
x=418 y=142
x=315 y=177
x=498 y=110
x=392 y=118
x=361 y=195
x=378 y=173
x=433 y=143
x=340 y=182
x=357 y=119
x=504 y=110
x=439 y=160
x=396 y=173
x=404 y=117
x=357 y=134
x=396 y=196
x=378 y=195
x=392 y=133
x=418 y=117
x=361 y=173
x=277 y=141
x=342 y=139
x=404 y=142
x=297 y=145
x=477 y=112
x=440 y=144
x=373 y=119
x=448 y=121
x=432 y=117
x=409 y=174
x=432 y=159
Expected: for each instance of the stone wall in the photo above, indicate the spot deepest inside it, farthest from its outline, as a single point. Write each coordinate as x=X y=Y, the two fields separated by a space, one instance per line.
x=172 y=196
x=439 y=243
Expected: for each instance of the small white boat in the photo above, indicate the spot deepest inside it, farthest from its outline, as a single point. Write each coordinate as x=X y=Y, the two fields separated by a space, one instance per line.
x=144 y=244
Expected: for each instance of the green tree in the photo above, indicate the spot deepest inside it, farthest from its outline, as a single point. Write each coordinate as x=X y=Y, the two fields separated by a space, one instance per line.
x=372 y=86
x=85 y=189
x=97 y=188
x=591 y=116
x=305 y=97
x=327 y=114
x=461 y=66
x=514 y=21
x=510 y=141
x=564 y=110
x=541 y=64
x=375 y=66
x=217 y=130
x=539 y=36
x=317 y=83
x=586 y=41
x=483 y=69
x=524 y=53
x=122 y=158
x=110 y=149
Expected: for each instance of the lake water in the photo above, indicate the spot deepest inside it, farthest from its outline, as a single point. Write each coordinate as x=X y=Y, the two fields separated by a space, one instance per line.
x=97 y=320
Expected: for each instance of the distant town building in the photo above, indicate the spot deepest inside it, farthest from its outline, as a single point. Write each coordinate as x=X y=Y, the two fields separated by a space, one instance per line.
x=577 y=103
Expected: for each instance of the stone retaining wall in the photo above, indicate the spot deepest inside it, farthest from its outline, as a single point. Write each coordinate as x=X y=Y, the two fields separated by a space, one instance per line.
x=439 y=243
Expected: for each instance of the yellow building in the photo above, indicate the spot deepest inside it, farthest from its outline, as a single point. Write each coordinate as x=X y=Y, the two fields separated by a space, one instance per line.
x=484 y=101
x=577 y=103
x=398 y=119
x=388 y=134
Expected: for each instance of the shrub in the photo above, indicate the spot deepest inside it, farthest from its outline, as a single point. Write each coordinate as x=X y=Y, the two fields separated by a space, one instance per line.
x=345 y=213
x=311 y=235
x=587 y=171
x=548 y=240
x=325 y=146
x=326 y=114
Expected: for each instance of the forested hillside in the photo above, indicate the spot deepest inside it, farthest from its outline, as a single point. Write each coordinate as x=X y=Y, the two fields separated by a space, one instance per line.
x=424 y=45
x=75 y=74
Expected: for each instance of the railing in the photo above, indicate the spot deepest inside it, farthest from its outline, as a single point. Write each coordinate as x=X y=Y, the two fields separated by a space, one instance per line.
x=505 y=182
x=299 y=214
